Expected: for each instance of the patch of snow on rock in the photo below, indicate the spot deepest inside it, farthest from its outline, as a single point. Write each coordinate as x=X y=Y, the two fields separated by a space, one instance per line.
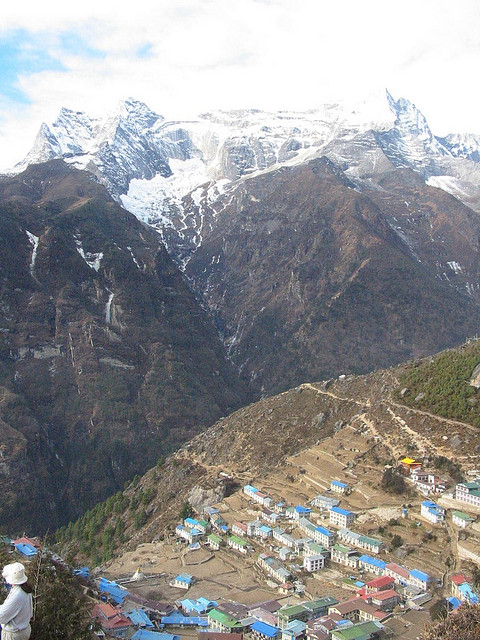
x=93 y=260
x=454 y=266
x=34 y=242
x=448 y=183
x=151 y=201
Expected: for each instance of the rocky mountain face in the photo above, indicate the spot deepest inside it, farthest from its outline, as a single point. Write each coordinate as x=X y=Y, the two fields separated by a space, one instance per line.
x=106 y=359
x=307 y=277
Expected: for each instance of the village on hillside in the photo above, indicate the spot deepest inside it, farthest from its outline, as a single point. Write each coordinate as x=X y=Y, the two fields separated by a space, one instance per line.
x=260 y=566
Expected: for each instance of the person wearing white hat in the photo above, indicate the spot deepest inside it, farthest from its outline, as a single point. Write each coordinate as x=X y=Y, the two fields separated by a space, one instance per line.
x=16 y=612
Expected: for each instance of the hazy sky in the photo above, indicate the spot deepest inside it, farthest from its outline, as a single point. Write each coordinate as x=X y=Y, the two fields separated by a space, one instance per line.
x=183 y=57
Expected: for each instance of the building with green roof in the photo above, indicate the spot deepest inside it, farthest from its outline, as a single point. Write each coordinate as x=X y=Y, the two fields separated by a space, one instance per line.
x=214 y=541
x=468 y=493
x=462 y=519
x=361 y=631
x=292 y=612
x=238 y=544
x=222 y=622
x=319 y=607
x=345 y=556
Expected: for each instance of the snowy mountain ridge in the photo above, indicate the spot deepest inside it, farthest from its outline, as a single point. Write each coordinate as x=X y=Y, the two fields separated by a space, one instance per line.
x=162 y=171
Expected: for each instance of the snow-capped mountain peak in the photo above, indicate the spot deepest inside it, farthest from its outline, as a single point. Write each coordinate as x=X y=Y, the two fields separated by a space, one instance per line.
x=169 y=172
x=408 y=117
x=410 y=142
x=462 y=145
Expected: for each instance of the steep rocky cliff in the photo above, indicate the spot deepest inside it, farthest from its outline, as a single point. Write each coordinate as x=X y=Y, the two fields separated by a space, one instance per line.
x=308 y=278
x=106 y=359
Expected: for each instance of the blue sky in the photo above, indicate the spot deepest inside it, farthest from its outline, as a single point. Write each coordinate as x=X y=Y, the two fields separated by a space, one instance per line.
x=19 y=53
x=184 y=57
x=23 y=54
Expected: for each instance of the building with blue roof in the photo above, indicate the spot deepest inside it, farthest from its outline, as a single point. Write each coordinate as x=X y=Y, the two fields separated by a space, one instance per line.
x=140 y=619
x=339 y=487
x=188 y=605
x=263 y=631
x=26 y=549
x=146 y=634
x=432 y=512
x=294 y=629
x=264 y=531
x=341 y=517
x=82 y=572
x=190 y=522
x=419 y=579
x=249 y=490
x=299 y=512
x=113 y=590
x=453 y=603
x=202 y=605
x=372 y=565
x=323 y=536
x=190 y=534
x=344 y=623
x=206 y=604
x=467 y=593
x=183 y=581
x=177 y=619
x=173 y=617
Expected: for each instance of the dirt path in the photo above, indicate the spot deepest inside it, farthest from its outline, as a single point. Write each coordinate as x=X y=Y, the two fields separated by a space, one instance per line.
x=391 y=403
x=421 y=441
x=360 y=403
x=420 y=412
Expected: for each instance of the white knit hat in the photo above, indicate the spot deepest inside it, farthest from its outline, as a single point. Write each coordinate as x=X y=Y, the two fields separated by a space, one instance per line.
x=14 y=573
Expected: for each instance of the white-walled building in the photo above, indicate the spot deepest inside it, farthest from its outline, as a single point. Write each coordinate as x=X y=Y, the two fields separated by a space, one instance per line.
x=462 y=519
x=339 y=487
x=341 y=517
x=419 y=579
x=239 y=529
x=314 y=563
x=249 y=490
x=238 y=544
x=324 y=536
x=357 y=540
x=432 y=512
x=468 y=492
x=344 y=556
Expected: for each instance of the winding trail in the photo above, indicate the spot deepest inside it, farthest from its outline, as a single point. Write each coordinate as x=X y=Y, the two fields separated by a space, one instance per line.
x=455 y=423
x=366 y=402
x=361 y=403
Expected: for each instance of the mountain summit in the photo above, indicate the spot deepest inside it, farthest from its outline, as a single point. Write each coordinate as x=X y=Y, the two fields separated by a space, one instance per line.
x=153 y=166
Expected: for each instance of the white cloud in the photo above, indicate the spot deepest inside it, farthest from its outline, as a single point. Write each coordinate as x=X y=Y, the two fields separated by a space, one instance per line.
x=208 y=54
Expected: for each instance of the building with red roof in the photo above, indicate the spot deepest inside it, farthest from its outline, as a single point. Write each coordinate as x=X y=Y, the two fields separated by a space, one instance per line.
x=397 y=572
x=111 y=619
x=24 y=540
x=385 y=600
x=457 y=580
x=379 y=584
